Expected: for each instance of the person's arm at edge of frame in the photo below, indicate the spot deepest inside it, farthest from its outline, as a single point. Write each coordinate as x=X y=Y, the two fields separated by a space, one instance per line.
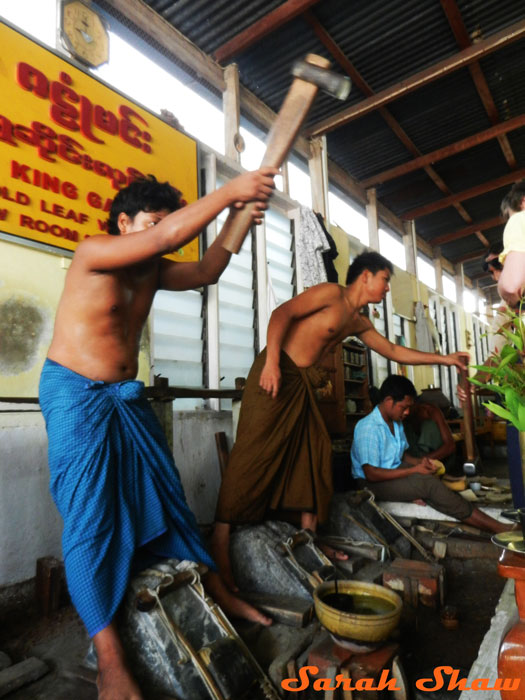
x=312 y=300
x=408 y=356
x=511 y=284
x=177 y=228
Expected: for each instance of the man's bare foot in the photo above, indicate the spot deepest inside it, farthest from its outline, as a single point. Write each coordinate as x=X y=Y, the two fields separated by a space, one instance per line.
x=231 y=604
x=115 y=683
x=220 y=549
x=331 y=552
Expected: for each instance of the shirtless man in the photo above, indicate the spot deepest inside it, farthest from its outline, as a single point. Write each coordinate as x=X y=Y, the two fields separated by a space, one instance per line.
x=112 y=475
x=281 y=460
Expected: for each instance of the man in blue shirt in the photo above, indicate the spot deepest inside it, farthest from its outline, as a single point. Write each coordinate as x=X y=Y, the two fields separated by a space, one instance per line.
x=381 y=463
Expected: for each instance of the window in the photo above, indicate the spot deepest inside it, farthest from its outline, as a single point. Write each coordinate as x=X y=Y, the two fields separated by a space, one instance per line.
x=449 y=287
x=392 y=247
x=381 y=365
x=279 y=255
x=469 y=301
x=347 y=217
x=236 y=298
x=178 y=342
x=299 y=181
x=253 y=154
x=426 y=271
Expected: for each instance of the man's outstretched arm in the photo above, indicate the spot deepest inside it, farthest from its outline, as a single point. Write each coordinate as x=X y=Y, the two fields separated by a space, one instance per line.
x=407 y=356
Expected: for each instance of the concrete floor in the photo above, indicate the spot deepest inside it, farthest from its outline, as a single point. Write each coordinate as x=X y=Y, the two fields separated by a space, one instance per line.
x=473 y=586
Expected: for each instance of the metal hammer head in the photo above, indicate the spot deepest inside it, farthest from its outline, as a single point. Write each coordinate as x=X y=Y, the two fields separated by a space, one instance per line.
x=333 y=83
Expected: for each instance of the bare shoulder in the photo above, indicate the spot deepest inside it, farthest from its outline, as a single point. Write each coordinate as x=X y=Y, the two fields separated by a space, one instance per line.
x=325 y=290
x=362 y=323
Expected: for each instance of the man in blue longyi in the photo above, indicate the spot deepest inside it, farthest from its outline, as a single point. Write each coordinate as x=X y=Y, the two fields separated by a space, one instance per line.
x=381 y=463
x=113 y=478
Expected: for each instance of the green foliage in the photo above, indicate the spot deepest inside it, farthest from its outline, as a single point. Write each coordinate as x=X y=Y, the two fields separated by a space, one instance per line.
x=506 y=372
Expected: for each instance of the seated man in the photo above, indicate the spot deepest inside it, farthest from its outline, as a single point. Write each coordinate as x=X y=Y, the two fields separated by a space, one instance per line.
x=380 y=461
x=428 y=434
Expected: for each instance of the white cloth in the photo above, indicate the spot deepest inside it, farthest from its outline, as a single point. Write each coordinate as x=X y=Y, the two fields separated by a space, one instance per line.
x=424 y=336
x=310 y=244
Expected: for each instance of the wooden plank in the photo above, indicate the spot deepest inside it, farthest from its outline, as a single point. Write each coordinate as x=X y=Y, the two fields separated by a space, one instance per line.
x=467 y=231
x=159 y=29
x=49 y=583
x=438 y=70
x=466 y=194
x=264 y=26
x=446 y=151
x=223 y=452
x=21 y=674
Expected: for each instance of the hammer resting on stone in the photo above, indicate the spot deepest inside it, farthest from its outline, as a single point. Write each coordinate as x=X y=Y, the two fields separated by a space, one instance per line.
x=310 y=75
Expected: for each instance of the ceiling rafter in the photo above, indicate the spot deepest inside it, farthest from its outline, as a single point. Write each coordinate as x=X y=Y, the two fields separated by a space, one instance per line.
x=264 y=26
x=331 y=45
x=445 y=151
x=466 y=194
x=463 y=39
x=467 y=231
x=472 y=255
x=438 y=70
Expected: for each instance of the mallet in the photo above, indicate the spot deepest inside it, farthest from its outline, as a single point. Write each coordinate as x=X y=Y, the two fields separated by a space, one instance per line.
x=469 y=467
x=310 y=75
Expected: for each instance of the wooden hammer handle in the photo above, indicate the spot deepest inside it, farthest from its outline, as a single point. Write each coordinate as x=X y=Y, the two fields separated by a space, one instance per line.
x=281 y=137
x=468 y=418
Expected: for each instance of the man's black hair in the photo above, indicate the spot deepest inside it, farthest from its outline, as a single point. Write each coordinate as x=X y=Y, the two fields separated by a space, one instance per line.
x=397 y=387
x=144 y=194
x=513 y=199
x=374 y=262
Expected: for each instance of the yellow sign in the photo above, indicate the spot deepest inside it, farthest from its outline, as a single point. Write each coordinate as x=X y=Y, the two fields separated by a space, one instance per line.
x=68 y=144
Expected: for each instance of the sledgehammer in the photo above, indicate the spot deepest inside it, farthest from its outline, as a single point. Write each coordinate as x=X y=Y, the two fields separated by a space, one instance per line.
x=469 y=467
x=310 y=75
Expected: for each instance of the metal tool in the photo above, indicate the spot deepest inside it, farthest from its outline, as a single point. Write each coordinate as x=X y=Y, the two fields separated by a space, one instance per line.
x=311 y=75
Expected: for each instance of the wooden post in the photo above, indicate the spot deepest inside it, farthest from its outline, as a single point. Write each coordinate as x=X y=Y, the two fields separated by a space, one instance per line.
x=232 y=113
x=373 y=222
x=318 y=179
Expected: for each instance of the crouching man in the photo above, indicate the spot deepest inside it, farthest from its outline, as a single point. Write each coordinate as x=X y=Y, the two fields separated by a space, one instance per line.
x=380 y=461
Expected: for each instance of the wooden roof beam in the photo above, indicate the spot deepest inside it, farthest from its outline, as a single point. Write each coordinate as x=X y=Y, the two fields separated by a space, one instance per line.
x=264 y=26
x=438 y=70
x=473 y=255
x=467 y=231
x=362 y=85
x=446 y=151
x=466 y=194
x=462 y=37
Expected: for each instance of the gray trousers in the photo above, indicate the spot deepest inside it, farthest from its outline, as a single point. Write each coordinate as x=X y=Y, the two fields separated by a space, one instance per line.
x=425 y=486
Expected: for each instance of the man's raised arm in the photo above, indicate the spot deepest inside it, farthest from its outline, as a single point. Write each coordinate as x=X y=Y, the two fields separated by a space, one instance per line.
x=179 y=227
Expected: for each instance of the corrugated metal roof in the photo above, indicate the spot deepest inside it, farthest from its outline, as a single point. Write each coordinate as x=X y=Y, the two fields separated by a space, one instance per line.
x=388 y=42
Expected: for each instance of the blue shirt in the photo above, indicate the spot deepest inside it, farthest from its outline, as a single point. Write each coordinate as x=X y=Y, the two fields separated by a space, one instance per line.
x=375 y=445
